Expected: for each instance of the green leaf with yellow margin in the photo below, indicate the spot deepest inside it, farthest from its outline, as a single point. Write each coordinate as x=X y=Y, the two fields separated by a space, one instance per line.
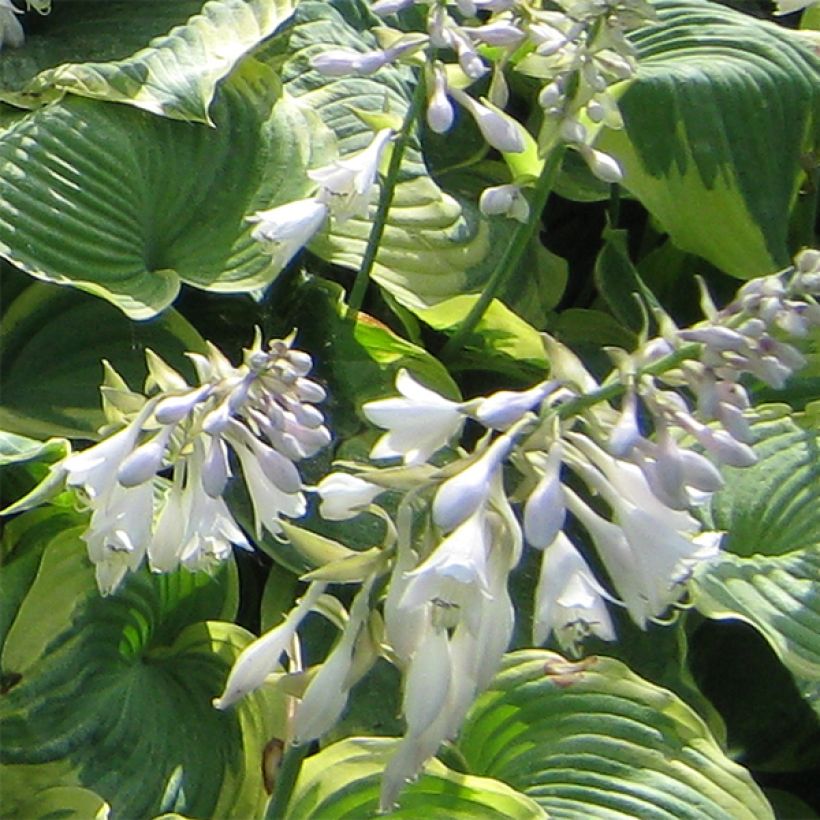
x=593 y=740
x=718 y=120
x=114 y=695
x=343 y=781
x=166 y=58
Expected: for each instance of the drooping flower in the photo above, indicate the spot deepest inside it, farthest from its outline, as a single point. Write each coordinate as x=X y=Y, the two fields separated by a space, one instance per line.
x=326 y=696
x=569 y=601
x=261 y=657
x=286 y=229
x=11 y=32
x=418 y=424
x=347 y=184
x=499 y=129
x=454 y=576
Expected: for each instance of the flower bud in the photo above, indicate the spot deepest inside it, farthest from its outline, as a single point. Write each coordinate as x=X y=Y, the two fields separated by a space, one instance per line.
x=144 y=462
x=460 y=496
x=344 y=496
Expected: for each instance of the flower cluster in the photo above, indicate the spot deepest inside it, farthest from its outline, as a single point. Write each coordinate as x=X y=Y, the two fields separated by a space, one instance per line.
x=262 y=411
x=11 y=30
x=345 y=189
x=447 y=614
x=577 y=52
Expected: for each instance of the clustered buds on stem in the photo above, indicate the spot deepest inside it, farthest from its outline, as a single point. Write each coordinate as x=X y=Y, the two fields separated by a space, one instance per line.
x=262 y=411
x=627 y=476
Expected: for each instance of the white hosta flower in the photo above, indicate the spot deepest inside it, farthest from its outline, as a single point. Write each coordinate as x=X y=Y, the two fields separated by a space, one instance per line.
x=428 y=681
x=504 y=200
x=500 y=130
x=339 y=62
x=95 y=469
x=418 y=424
x=325 y=698
x=269 y=502
x=386 y=7
x=11 y=32
x=569 y=601
x=454 y=576
x=118 y=534
x=346 y=185
x=466 y=492
x=261 y=657
x=286 y=229
x=344 y=496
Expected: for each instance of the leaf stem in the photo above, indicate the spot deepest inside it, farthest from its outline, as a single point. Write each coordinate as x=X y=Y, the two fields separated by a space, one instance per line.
x=286 y=780
x=388 y=189
x=512 y=256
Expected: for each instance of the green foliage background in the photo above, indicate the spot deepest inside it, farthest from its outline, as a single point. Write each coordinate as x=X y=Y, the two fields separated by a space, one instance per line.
x=135 y=139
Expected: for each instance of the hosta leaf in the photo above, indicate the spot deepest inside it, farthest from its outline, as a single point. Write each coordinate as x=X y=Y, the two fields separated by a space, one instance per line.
x=114 y=694
x=66 y=803
x=162 y=57
x=128 y=206
x=343 y=781
x=592 y=739
x=722 y=110
x=769 y=573
x=54 y=340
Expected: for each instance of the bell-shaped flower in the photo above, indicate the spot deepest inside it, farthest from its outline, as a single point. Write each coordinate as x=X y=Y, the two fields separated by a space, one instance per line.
x=118 y=533
x=544 y=510
x=602 y=165
x=210 y=531
x=418 y=424
x=344 y=496
x=339 y=62
x=347 y=184
x=625 y=434
x=428 y=681
x=454 y=575
x=500 y=130
x=569 y=601
x=95 y=469
x=461 y=496
x=145 y=461
x=261 y=657
x=504 y=200
x=286 y=229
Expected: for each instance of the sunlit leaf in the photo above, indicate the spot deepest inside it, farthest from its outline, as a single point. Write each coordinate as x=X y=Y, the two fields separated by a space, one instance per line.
x=717 y=122
x=343 y=781
x=114 y=694
x=592 y=739
x=162 y=57
x=128 y=206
